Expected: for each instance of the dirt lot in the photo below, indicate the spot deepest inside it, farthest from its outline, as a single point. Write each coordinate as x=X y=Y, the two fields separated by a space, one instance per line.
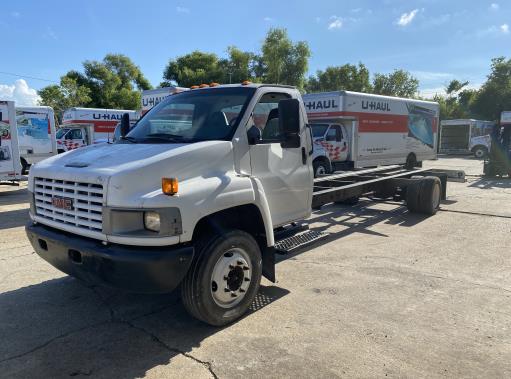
x=387 y=294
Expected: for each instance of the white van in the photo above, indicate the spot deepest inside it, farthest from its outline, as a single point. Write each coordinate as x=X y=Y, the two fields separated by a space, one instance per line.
x=355 y=130
x=10 y=166
x=36 y=134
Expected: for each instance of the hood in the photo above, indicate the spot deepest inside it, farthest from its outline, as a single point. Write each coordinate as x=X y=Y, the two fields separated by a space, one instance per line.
x=145 y=162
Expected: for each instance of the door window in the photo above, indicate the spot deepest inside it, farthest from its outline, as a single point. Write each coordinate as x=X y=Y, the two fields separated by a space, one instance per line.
x=266 y=116
x=74 y=134
x=331 y=135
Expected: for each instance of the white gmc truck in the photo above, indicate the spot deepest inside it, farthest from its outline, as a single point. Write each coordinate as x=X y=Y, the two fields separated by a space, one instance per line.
x=199 y=194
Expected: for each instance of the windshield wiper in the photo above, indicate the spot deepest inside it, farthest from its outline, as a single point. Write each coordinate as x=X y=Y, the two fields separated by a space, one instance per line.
x=130 y=139
x=167 y=137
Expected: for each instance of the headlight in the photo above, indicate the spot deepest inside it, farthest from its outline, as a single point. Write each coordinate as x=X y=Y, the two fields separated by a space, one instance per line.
x=152 y=221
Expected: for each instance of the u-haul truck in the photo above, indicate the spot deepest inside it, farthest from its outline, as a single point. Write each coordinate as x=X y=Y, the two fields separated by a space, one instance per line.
x=10 y=166
x=36 y=134
x=152 y=97
x=354 y=130
x=86 y=126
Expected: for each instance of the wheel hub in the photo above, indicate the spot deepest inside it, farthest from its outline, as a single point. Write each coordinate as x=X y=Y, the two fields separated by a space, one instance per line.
x=231 y=278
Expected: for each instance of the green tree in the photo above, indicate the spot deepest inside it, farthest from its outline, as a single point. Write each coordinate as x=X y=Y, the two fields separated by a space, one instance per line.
x=398 y=83
x=115 y=82
x=282 y=61
x=68 y=94
x=347 y=77
x=495 y=94
x=193 y=69
x=238 y=66
x=457 y=102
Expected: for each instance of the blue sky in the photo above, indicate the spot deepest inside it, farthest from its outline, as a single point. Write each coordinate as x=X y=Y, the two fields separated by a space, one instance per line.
x=436 y=40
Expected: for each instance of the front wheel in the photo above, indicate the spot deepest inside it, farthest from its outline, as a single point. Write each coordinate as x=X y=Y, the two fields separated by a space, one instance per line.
x=223 y=279
x=320 y=169
x=480 y=152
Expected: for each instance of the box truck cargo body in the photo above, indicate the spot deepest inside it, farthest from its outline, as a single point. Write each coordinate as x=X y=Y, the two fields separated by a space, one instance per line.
x=36 y=134
x=10 y=166
x=362 y=130
x=465 y=136
x=86 y=126
x=152 y=97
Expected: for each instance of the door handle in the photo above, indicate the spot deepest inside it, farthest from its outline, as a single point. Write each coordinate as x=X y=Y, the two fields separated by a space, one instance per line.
x=304 y=156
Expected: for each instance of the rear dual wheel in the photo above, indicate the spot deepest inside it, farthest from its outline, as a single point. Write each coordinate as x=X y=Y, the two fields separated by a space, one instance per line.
x=424 y=195
x=224 y=277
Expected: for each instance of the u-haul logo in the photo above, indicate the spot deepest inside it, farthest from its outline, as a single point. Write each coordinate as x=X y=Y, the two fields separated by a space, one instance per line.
x=382 y=106
x=322 y=105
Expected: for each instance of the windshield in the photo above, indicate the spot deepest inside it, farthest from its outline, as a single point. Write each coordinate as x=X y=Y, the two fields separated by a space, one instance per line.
x=319 y=130
x=61 y=132
x=197 y=115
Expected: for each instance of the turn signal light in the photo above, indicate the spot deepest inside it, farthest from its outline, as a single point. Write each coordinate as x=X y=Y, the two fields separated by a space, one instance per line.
x=169 y=186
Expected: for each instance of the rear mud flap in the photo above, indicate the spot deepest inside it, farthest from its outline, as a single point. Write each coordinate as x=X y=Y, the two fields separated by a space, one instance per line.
x=269 y=264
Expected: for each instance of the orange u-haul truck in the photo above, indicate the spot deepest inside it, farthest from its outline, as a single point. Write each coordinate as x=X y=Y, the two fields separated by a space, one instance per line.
x=354 y=130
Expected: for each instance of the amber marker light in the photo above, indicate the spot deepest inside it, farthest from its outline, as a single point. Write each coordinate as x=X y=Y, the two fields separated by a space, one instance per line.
x=169 y=186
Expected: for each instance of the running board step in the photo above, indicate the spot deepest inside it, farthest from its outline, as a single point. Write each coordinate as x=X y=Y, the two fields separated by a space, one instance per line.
x=286 y=245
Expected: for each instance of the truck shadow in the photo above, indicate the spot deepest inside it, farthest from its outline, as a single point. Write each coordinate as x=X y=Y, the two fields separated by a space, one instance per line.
x=356 y=219
x=62 y=327
x=14 y=196
x=490 y=183
x=13 y=219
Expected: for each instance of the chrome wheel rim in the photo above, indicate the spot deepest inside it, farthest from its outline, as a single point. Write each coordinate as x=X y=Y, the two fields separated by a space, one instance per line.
x=231 y=278
x=320 y=171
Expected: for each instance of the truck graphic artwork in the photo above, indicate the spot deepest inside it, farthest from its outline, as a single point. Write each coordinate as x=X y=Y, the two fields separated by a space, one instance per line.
x=421 y=124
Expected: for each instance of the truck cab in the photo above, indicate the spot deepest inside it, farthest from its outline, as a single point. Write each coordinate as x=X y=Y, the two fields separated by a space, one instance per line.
x=192 y=196
x=331 y=147
x=73 y=136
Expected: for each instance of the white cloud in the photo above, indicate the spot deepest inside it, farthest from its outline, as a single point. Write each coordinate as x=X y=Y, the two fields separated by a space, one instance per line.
x=430 y=75
x=20 y=92
x=504 y=28
x=335 y=23
x=50 y=34
x=182 y=10
x=494 y=6
x=407 y=18
x=317 y=19
x=268 y=19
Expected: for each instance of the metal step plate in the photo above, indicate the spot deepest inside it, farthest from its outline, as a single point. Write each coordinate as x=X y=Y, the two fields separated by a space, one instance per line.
x=286 y=245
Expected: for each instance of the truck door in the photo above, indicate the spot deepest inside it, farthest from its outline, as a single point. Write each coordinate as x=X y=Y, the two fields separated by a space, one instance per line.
x=336 y=143
x=285 y=173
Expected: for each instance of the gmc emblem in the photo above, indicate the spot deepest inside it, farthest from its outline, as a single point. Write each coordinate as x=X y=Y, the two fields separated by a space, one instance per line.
x=62 y=203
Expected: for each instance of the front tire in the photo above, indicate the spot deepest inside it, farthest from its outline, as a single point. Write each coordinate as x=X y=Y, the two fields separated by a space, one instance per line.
x=223 y=279
x=320 y=168
x=480 y=152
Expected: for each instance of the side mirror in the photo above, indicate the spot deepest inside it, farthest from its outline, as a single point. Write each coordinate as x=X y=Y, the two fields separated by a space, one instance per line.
x=125 y=124
x=289 y=123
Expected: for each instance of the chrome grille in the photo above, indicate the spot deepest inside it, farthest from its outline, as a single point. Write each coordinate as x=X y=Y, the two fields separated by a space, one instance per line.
x=86 y=212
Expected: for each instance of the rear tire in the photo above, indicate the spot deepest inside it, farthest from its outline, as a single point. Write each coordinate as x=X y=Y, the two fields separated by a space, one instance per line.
x=223 y=279
x=424 y=196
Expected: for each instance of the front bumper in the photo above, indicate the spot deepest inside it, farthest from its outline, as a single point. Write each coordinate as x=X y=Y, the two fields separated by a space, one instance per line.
x=132 y=268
